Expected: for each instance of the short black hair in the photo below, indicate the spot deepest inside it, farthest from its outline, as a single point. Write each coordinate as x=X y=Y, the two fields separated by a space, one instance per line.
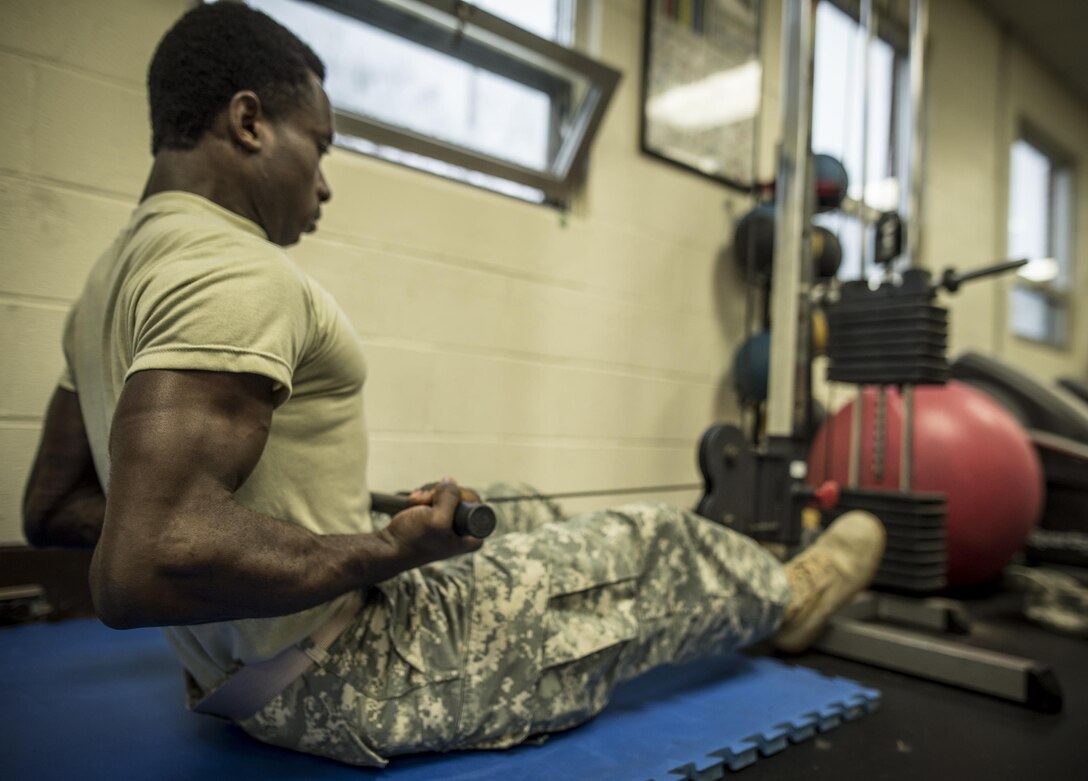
x=213 y=52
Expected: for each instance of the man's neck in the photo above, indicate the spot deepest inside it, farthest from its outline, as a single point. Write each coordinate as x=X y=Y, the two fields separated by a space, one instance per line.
x=195 y=171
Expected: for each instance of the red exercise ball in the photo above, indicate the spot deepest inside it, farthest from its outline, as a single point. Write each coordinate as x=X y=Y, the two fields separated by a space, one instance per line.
x=967 y=447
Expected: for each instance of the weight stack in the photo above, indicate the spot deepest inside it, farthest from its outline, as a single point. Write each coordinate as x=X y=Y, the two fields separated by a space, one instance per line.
x=915 y=559
x=894 y=335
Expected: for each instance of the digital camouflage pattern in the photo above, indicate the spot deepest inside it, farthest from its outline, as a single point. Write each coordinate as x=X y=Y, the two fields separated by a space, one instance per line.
x=530 y=634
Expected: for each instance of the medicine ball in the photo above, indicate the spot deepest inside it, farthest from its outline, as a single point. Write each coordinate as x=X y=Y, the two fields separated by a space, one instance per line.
x=966 y=447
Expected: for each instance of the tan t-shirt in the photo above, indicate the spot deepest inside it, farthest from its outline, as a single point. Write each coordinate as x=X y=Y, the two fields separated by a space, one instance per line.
x=190 y=285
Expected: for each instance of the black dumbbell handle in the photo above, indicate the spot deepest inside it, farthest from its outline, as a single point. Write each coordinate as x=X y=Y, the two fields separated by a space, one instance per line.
x=469 y=519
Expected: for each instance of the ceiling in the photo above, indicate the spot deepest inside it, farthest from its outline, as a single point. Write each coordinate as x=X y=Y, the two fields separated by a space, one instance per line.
x=1054 y=31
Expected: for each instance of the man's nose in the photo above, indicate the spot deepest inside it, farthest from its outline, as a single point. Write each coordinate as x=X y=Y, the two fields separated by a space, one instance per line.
x=324 y=192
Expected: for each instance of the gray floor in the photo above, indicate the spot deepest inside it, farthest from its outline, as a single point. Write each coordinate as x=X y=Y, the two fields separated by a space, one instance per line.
x=930 y=732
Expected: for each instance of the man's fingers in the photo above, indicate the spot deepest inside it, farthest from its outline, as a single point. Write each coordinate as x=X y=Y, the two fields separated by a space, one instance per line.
x=446 y=496
x=421 y=496
x=425 y=493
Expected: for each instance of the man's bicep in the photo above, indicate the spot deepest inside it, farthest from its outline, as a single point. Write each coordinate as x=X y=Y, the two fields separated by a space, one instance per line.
x=178 y=436
x=181 y=443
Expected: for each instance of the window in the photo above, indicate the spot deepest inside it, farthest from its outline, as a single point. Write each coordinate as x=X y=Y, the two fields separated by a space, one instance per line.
x=837 y=126
x=485 y=93
x=1040 y=226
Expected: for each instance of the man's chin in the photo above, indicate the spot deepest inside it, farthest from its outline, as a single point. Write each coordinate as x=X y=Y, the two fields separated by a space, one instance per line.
x=287 y=241
x=290 y=241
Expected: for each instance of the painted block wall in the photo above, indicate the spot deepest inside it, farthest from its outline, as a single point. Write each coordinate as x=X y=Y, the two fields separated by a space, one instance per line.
x=984 y=86
x=505 y=341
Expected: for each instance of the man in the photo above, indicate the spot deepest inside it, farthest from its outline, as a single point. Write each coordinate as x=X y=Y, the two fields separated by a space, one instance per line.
x=216 y=391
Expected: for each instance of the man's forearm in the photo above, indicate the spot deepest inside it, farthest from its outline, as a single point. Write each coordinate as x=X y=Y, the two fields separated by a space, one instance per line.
x=63 y=505
x=226 y=562
x=75 y=522
x=177 y=548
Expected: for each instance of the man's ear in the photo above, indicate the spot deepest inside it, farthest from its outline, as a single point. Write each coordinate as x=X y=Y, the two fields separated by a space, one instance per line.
x=245 y=120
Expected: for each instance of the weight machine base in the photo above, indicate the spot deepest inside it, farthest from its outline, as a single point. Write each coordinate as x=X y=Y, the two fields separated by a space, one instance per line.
x=857 y=633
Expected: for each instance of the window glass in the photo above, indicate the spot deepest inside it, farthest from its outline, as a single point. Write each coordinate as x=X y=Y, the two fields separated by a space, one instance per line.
x=1040 y=225
x=471 y=101
x=838 y=103
x=837 y=125
x=378 y=74
x=1029 y=202
x=1030 y=314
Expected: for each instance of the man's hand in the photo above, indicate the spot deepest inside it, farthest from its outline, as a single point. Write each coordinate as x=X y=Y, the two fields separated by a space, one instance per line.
x=425 y=533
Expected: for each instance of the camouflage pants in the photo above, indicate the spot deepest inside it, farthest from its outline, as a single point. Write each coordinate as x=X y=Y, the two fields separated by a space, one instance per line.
x=528 y=635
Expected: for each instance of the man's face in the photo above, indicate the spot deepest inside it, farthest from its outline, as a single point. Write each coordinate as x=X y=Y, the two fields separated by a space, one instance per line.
x=292 y=187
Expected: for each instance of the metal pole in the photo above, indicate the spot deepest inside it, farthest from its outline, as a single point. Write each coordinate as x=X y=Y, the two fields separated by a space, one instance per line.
x=869 y=26
x=792 y=274
x=854 y=469
x=906 y=441
x=919 y=24
x=919 y=31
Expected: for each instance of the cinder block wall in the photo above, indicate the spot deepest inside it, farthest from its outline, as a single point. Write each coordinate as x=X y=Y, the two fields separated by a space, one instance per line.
x=983 y=86
x=74 y=148
x=505 y=341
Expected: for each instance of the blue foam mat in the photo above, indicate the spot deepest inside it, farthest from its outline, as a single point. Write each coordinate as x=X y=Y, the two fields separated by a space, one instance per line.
x=83 y=701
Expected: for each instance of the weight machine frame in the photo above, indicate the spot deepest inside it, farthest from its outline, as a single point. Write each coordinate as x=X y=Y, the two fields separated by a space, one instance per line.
x=761 y=489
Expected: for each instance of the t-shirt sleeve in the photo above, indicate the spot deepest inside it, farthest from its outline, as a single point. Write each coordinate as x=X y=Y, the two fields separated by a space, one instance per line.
x=65 y=381
x=234 y=308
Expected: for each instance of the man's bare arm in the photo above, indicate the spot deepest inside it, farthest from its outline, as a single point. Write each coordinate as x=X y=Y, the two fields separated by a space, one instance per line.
x=63 y=505
x=176 y=548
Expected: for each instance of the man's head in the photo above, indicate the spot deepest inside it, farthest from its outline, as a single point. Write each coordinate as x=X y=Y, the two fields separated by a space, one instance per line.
x=231 y=79
x=213 y=52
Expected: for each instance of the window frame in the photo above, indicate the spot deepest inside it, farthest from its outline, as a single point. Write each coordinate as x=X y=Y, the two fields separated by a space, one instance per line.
x=567 y=169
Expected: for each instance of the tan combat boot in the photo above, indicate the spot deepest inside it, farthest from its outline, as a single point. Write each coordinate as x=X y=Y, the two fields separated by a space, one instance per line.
x=827 y=575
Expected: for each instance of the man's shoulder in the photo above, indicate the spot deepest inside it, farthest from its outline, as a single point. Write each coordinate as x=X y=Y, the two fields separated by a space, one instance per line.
x=176 y=221
x=191 y=245
x=188 y=233
x=188 y=253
